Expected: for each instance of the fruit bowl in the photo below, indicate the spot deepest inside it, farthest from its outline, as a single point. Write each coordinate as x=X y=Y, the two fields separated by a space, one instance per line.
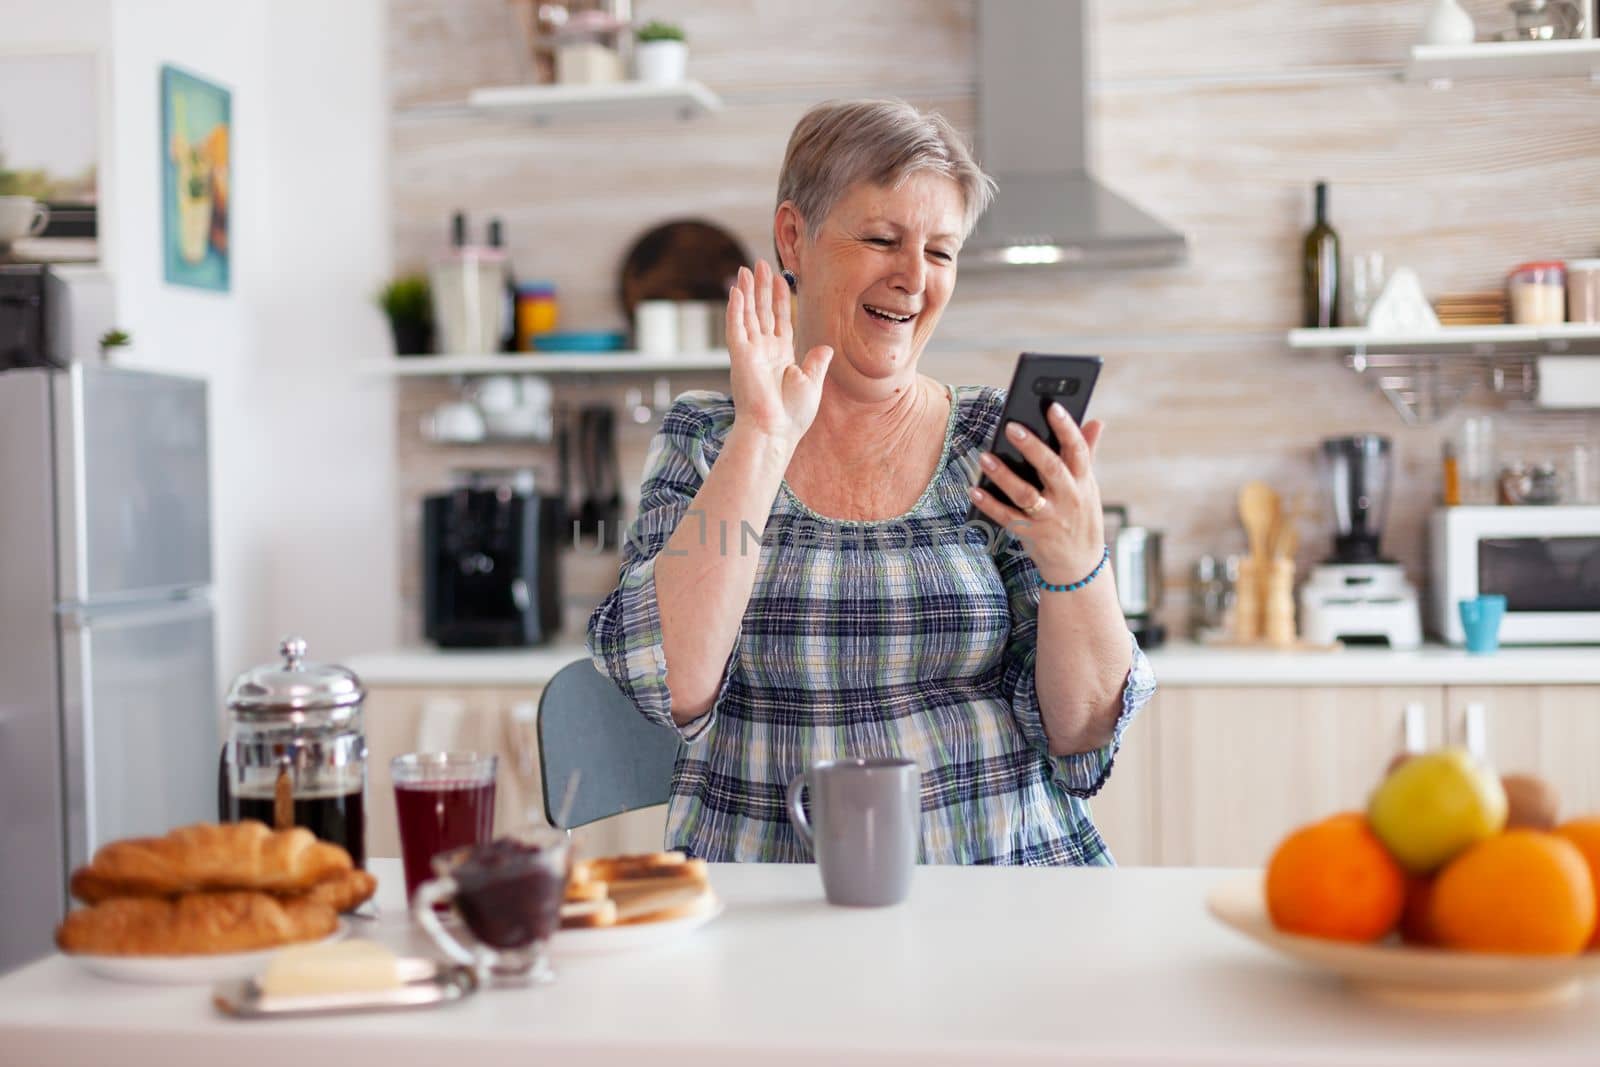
x=1401 y=973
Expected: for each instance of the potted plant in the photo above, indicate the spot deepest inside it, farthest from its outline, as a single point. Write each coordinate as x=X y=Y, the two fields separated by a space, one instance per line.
x=112 y=339
x=408 y=303
x=660 y=55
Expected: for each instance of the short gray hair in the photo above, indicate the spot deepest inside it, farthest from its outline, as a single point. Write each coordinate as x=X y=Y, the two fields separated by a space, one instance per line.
x=841 y=142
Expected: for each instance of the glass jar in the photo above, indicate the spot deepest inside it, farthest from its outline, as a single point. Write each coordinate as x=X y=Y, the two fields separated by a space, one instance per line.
x=295 y=753
x=1208 y=599
x=1583 y=290
x=537 y=312
x=1537 y=294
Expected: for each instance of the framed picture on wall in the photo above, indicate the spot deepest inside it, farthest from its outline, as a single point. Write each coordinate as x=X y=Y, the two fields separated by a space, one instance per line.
x=49 y=155
x=196 y=185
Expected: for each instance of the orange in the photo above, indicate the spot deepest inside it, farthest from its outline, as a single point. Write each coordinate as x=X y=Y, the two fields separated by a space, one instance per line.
x=1416 y=919
x=1335 y=879
x=1523 y=891
x=1585 y=834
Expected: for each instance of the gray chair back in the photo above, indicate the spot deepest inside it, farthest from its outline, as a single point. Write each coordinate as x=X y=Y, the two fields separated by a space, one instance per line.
x=587 y=725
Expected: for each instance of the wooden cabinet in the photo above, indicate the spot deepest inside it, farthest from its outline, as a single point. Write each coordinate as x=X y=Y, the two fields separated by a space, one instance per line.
x=1207 y=775
x=1122 y=810
x=402 y=719
x=1549 y=730
x=1237 y=768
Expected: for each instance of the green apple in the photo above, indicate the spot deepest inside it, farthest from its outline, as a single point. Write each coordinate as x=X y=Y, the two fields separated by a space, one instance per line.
x=1434 y=805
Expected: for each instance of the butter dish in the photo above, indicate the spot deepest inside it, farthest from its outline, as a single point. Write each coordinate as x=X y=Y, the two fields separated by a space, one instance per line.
x=423 y=984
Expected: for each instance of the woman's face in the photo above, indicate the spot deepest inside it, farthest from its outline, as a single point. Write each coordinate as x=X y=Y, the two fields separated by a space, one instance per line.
x=880 y=271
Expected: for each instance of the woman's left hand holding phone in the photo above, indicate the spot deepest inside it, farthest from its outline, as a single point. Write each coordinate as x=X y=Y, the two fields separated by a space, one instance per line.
x=1061 y=527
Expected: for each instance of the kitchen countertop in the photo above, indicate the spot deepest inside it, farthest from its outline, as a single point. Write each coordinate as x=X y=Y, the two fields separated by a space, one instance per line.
x=1191 y=664
x=981 y=965
x=1179 y=664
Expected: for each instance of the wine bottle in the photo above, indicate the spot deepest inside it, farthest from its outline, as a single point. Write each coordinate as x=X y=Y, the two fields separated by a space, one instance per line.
x=1321 y=268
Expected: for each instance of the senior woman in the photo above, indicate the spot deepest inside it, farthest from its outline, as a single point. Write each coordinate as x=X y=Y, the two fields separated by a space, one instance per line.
x=800 y=584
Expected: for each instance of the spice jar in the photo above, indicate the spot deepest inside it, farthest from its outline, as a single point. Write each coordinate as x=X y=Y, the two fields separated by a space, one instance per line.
x=1583 y=290
x=1537 y=294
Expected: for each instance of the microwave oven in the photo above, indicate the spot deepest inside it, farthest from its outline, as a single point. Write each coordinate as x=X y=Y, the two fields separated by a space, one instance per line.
x=1544 y=560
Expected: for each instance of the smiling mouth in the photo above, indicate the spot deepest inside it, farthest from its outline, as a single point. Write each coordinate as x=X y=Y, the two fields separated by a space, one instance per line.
x=886 y=315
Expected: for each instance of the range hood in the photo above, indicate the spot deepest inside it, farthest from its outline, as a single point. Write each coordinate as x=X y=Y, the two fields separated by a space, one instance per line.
x=1033 y=138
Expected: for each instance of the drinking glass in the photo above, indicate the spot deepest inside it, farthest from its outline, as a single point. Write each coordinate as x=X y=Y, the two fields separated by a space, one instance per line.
x=1476 y=456
x=1366 y=282
x=445 y=801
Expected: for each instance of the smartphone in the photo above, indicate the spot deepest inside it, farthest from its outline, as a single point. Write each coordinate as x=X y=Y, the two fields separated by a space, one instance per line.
x=1039 y=381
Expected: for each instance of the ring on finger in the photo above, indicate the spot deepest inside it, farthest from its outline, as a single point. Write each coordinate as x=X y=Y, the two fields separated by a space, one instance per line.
x=1034 y=508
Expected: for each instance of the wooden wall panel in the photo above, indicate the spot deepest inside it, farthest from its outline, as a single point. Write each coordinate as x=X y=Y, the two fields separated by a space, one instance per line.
x=1214 y=114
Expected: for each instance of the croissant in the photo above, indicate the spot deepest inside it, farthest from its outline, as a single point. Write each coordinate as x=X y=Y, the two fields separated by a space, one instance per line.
x=344 y=891
x=193 y=924
x=209 y=856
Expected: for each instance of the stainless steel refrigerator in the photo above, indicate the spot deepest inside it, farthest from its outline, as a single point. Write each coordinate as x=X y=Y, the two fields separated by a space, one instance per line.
x=109 y=722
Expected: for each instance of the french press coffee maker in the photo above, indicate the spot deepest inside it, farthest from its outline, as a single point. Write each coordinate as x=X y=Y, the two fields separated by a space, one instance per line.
x=296 y=754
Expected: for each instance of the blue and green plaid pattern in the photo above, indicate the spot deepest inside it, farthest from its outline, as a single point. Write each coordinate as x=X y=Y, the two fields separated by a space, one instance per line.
x=905 y=637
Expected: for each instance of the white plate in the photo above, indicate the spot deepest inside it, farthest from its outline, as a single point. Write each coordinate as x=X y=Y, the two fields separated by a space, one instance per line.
x=1393 y=971
x=632 y=937
x=187 y=970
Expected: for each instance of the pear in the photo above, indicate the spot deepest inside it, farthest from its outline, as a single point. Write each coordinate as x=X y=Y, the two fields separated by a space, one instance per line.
x=1434 y=805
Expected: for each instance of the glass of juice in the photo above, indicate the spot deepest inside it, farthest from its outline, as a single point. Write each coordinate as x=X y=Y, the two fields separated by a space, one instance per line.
x=445 y=801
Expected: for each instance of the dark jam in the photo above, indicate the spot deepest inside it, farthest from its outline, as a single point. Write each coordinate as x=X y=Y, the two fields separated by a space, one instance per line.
x=510 y=893
x=339 y=818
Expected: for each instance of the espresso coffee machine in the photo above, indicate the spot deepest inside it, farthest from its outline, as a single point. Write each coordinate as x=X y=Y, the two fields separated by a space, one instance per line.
x=491 y=576
x=1357 y=596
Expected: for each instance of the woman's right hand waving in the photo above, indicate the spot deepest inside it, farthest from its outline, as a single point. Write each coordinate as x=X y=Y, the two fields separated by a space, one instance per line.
x=773 y=394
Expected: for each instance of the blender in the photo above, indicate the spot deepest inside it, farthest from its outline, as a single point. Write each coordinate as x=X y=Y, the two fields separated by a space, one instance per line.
x=1357 y=596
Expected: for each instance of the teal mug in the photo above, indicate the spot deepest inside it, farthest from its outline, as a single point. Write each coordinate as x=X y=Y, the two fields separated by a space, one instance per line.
x=1480 y=618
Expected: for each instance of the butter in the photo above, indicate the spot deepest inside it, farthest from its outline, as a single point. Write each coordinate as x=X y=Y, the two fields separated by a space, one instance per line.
x=338 y=967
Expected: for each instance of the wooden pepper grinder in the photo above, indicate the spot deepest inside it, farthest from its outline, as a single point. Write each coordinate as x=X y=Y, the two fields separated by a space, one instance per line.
x=1259 y=509
x=1278 y=601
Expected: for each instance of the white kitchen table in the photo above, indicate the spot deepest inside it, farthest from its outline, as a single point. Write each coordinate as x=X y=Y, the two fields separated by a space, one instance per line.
x=979 y=966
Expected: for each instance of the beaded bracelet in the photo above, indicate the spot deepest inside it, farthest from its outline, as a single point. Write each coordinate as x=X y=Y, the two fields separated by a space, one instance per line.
x=1105 y=557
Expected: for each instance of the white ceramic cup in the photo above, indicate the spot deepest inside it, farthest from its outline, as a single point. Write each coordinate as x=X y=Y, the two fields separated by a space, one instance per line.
x=21 y=216
x=456 y=421
x=694 y=326
x=655 y=327
x=497 y=393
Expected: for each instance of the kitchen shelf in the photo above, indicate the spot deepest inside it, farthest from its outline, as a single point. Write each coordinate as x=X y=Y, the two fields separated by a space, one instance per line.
x=1427 y=375
x=1482 y=340
x=1504 y=59
x=549 y=363
x=589 y=103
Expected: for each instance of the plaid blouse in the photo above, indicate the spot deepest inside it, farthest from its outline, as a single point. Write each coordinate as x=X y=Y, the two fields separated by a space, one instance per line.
x=902 y=637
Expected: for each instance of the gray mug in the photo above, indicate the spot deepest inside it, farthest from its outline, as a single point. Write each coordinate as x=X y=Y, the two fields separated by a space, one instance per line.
x=865 y=826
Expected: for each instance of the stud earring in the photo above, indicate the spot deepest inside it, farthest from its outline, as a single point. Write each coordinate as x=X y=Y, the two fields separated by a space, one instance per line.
x=788 y=276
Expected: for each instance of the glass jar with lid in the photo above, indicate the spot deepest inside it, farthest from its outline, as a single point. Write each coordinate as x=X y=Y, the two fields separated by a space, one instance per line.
x=296 y=754
x=1537 y=293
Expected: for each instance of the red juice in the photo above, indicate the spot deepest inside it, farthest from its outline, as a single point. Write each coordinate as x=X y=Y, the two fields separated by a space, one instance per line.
x=436 y=817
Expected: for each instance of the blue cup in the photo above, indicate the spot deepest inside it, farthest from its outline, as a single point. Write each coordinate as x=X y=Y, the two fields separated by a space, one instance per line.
x=1480 y=617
